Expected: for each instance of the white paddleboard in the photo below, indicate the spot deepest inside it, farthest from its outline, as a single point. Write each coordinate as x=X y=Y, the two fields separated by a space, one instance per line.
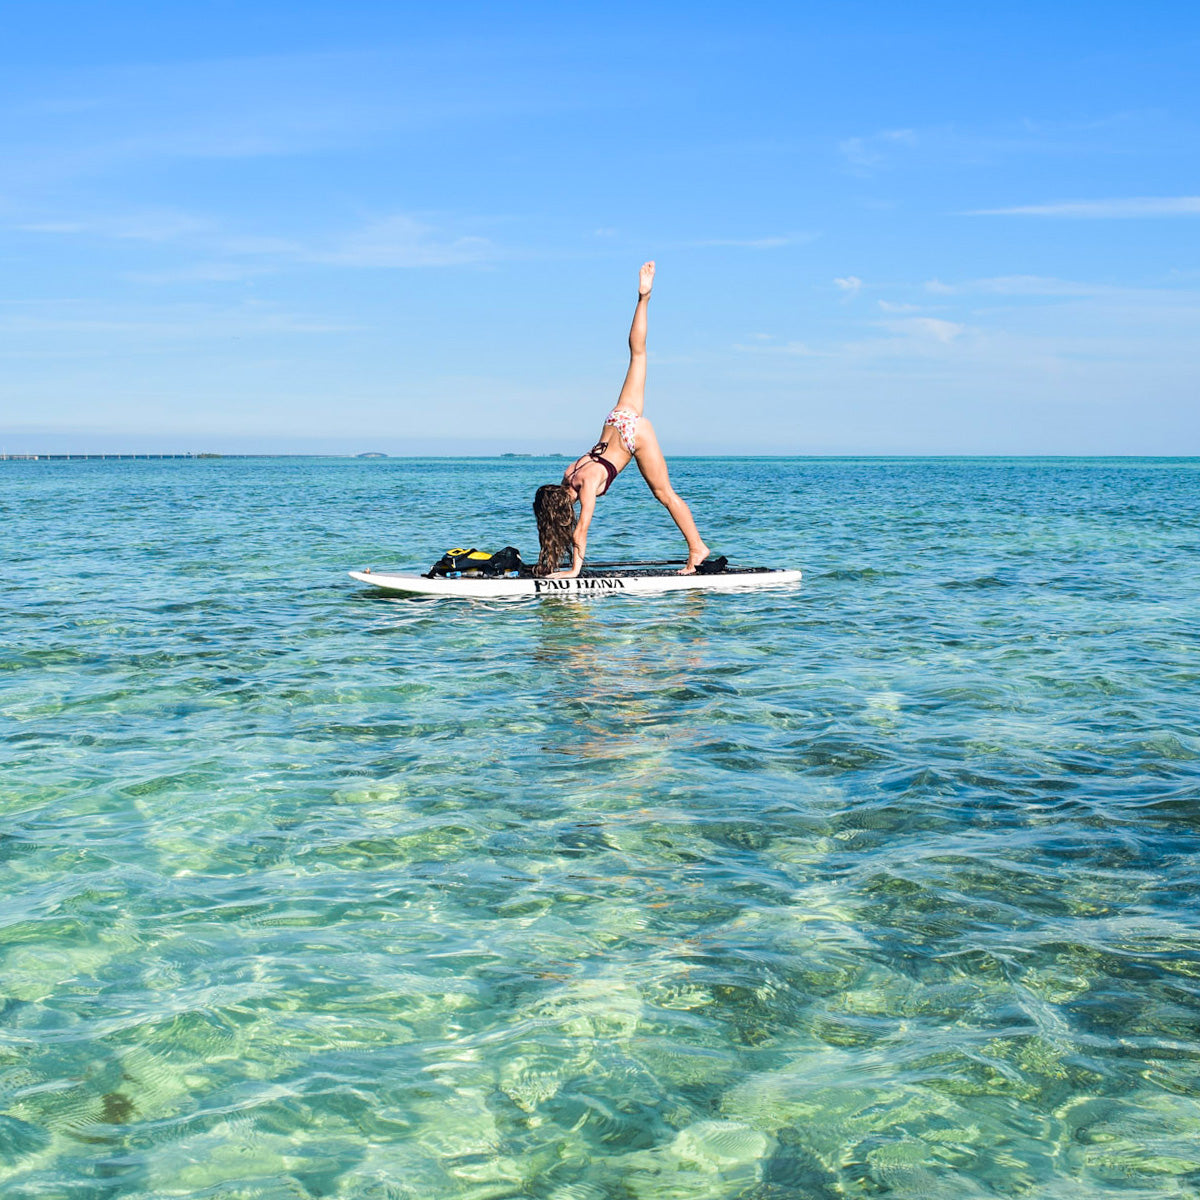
x=591 y=583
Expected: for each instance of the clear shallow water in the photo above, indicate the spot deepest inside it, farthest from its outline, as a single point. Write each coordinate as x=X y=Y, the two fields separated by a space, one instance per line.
x=886 y=885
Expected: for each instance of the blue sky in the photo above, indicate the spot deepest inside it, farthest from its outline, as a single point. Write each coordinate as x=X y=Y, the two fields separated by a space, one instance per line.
x=880 y=228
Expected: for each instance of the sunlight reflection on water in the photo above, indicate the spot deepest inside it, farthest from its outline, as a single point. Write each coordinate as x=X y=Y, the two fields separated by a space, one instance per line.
x=884 y=884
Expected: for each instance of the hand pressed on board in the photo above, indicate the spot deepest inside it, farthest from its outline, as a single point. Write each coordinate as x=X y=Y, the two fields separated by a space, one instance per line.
x=573 y=571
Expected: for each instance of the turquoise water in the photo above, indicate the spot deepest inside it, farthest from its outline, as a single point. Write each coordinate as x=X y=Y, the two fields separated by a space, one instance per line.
x=885 y=885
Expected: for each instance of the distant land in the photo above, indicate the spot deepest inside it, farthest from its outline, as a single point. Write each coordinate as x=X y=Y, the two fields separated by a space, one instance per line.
x=5 y=457
x=156 y=455
x=60 y=457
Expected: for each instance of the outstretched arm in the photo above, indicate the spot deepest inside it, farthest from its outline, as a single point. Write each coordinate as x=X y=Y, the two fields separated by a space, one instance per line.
x=633 y=391
x=587 y=506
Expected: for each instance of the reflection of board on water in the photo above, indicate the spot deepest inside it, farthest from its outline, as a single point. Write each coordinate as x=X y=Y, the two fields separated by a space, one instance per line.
x=617 y=579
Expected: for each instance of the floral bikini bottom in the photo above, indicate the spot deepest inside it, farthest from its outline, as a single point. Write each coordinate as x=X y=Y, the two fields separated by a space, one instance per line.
x=625 y=420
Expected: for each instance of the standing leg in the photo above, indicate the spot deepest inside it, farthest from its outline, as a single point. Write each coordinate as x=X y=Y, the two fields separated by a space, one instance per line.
x=653 y=467
x=633 y=391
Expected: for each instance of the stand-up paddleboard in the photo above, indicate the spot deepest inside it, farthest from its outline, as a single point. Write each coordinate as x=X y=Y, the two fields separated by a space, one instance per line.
x=622 y=580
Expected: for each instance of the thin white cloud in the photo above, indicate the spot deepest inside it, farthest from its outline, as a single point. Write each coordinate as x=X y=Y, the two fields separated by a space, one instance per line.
x=977 y=145
x=153 y=226
x=396 y=241
x=871 y=151
x=401 y=241
x=184 y=323
x=1037 y=285
x=85 y=121
x=203 y=272
x=762 y=243
x=1131 y=207
x=764 y=343
x=260 y=246
x=891 y=306
x=1027 y=285
x=926 y=328
x=851 y=285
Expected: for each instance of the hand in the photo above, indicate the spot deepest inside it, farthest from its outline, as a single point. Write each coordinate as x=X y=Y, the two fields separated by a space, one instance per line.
x=646 y=278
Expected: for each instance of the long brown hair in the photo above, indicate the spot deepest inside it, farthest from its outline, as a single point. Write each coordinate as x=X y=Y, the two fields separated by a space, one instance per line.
x=554 y=510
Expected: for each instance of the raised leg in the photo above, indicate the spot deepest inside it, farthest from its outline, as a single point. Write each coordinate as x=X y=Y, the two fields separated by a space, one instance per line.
x=653 y=467
x=633 y=390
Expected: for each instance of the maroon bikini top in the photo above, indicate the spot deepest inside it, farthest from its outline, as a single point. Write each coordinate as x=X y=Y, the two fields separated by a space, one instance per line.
x=595 y=455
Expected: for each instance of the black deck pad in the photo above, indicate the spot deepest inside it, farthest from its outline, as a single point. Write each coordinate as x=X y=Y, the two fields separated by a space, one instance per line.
x=651 y=573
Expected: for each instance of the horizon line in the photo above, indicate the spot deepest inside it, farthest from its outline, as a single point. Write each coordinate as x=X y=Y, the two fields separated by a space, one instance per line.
x=210 y=456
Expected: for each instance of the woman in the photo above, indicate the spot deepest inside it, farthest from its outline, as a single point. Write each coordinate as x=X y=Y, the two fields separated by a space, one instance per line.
x=627 y=436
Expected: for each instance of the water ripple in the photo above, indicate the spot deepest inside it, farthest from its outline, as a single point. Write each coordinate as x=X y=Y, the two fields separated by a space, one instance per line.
x=884 y=885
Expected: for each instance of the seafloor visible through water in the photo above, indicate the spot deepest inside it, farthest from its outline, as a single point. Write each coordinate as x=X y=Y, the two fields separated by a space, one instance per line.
x=883 y=885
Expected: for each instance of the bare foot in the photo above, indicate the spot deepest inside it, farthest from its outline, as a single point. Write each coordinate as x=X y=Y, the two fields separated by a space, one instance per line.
x=646 y=278
x=695 y=558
